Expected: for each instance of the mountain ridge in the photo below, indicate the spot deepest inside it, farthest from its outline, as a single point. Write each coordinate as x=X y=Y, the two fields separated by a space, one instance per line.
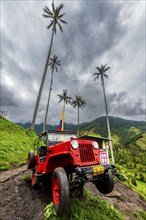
x=98 y=121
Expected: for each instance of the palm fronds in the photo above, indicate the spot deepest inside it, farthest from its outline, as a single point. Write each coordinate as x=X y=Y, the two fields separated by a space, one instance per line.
x=101 y=72
x=64 y=97
x=54 y=16
x=54 y=62
x=79 y=102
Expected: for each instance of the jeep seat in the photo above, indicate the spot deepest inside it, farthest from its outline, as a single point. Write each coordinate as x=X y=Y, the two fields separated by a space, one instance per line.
x=51 y=143
x=42 y=151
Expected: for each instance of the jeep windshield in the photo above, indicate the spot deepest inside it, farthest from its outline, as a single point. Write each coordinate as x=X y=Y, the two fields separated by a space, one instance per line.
x=58 y=137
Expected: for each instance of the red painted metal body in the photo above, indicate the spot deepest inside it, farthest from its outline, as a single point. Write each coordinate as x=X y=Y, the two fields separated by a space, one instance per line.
x=64 y=163
x=63 y=155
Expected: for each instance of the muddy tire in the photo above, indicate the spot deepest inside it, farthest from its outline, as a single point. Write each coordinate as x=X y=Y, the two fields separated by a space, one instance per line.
x=60 y=191
x=106 y=184
x=34 y=180
x=31 y=160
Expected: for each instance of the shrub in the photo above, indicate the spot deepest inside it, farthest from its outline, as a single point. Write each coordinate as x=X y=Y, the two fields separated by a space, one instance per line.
x=141 y=176
x=121 y=176
x=89 y=207
x=133 y=181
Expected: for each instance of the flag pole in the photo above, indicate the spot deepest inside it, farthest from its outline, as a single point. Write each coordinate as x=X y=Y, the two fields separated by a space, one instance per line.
x=63 y=121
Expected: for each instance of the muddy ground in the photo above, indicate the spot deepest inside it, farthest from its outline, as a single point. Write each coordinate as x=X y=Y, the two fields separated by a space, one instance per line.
x=19 y=201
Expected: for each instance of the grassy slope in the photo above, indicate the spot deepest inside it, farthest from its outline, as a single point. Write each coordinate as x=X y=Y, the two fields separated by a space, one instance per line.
x=133 y=158
x=88 y=208
x=128 y=173
x=133 y=151
x=142 y=142
x=15 y=143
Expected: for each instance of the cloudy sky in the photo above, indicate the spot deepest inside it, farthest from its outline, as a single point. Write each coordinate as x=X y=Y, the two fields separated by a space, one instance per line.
x=98 y=32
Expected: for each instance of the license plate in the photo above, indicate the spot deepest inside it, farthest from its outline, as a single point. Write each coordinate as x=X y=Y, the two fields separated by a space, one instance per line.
x=98 y=170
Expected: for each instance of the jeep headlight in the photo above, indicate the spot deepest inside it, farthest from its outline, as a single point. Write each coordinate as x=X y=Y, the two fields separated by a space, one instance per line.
x=74 y=144
x=95 y=144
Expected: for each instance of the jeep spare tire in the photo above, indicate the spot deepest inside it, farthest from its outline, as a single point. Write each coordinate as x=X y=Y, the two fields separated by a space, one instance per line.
x=60 y=191
x=31 y=160
x=106 y=184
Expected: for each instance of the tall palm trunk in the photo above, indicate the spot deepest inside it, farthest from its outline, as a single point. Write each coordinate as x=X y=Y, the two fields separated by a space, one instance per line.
x=63 y=113
x=107 y=119
x=64 y=106
x=78 y=123
x=42 y=82
x=46 y=115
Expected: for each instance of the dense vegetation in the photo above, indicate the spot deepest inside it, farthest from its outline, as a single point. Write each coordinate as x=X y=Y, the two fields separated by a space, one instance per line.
x=15 y=144
x=89 y=207
x=119 y=127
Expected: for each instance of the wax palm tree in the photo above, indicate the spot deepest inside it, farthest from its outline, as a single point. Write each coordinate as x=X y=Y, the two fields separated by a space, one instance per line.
x=66 y=99
x=79 y=102
x=102 y=74
x=55 y=17
x=53 y=63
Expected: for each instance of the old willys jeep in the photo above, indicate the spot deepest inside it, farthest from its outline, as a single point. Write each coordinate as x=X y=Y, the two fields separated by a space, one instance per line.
x=66 y=163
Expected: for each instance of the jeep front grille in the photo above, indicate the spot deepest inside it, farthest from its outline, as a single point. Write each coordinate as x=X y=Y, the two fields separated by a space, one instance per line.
x=86 y=153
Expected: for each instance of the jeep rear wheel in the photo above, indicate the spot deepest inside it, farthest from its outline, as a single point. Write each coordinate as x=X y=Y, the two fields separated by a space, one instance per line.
x=31 y=160
x=60 y=190
x=106 y=184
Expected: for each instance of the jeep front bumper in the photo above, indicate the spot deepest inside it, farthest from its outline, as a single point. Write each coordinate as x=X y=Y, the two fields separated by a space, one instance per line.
x=89 y=174
x=94 y=170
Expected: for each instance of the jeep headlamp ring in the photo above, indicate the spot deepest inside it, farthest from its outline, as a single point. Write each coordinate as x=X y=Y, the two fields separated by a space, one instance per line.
x=74 y=144
x=95 y=145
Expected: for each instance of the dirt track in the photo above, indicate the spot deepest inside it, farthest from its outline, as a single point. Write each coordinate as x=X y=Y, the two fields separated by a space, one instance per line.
x=18 y=201
x=122 y=198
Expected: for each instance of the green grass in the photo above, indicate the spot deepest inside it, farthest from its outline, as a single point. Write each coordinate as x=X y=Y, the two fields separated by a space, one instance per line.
x=141 y=215
x=142 y=142
x=140 y=184
x=26 y=177
x=141 y=187
x=87 y=208
x=128 y=173
x=15 y=142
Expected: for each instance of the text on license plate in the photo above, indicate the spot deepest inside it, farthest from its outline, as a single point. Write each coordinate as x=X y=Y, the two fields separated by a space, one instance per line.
x=98 y=170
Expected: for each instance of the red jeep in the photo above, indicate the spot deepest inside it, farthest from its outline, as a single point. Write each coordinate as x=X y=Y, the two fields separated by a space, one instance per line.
x=70 y=162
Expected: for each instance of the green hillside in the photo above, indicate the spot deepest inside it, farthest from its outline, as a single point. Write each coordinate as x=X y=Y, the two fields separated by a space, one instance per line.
x=15 y=143
x=39 y=127
x=124 y=129
x=88 y=207
x=129 y=144
x=119 y=127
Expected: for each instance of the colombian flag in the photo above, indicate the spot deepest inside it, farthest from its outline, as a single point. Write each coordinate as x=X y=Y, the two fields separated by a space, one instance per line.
x=61 y=123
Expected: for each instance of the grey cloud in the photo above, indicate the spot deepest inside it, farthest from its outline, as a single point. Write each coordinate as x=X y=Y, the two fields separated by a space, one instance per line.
x=7 y=98
x=93 y=33
x=123 y=105
x=83 y=38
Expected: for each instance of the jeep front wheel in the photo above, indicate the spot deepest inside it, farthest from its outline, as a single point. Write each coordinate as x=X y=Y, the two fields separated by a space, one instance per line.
x=60 y=190
x=106 y=184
